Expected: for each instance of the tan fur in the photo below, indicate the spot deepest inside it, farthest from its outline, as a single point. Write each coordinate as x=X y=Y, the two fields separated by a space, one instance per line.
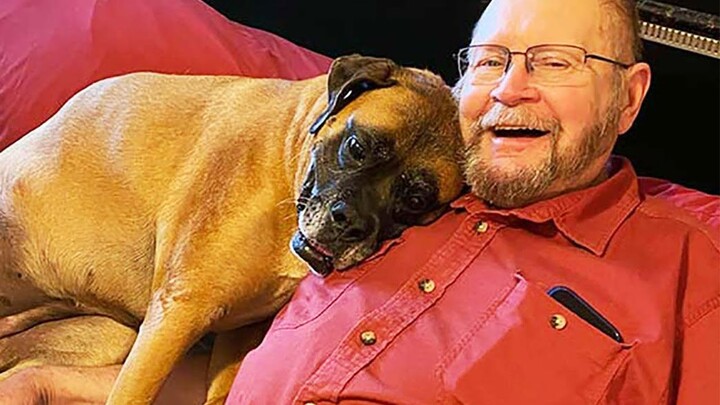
x=171 y=210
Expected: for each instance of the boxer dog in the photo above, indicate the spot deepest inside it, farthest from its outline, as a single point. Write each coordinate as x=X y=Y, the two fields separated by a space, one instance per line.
x=153 y=209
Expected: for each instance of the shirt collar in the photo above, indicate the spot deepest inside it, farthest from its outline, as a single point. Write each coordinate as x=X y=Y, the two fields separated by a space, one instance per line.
x=588 y=217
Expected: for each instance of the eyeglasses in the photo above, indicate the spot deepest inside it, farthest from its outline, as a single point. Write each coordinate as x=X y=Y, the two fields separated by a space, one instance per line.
x=547 y=64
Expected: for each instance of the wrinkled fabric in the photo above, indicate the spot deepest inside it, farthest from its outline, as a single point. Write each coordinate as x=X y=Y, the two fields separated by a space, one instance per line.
x=459 y=311
x=50 y=49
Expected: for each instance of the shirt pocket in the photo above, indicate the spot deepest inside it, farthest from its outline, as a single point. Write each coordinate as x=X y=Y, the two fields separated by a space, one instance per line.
x=315 y=295
x=531 y=350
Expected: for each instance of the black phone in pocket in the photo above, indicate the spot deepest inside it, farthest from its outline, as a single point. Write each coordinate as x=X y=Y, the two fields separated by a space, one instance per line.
x=573 y=302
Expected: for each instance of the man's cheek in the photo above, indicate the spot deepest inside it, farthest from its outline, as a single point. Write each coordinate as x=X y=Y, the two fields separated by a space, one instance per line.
x=473 y=102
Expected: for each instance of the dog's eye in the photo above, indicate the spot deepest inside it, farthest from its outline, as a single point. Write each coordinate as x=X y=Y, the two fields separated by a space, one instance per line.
x=417 y=203
x=356 y=150
x=352 y=150
x=415 y=194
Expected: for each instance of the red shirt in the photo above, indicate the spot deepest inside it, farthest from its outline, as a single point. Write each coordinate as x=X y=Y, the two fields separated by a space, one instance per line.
x=458 y=311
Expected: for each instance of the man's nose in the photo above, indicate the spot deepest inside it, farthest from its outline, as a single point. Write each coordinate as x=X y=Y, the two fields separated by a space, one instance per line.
x=514 y=86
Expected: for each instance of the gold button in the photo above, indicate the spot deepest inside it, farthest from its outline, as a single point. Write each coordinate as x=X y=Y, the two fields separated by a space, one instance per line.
x=309 y=403
x=481 y=227
x=368 y=338
x=426 y=285
x=558 y=322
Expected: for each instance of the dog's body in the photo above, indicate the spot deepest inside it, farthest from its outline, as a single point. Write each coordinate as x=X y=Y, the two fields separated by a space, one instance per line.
x=170 y=201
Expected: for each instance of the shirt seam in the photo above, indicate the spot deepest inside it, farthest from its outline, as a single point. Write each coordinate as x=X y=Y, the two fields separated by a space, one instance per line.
x=705 y=232
x=499 y=300
x=702 y=311
x=599 y=245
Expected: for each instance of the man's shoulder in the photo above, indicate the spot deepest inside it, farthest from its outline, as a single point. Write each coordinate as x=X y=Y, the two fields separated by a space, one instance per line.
x=691 y=209
x=705 y=207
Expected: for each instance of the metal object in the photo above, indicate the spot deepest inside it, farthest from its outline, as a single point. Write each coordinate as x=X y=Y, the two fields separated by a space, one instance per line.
x=680 y=28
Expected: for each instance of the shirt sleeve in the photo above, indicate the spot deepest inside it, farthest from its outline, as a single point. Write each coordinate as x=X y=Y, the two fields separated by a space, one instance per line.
x=699 y=379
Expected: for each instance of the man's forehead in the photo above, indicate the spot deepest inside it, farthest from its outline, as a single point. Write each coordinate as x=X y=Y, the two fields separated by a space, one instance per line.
x=518 y=24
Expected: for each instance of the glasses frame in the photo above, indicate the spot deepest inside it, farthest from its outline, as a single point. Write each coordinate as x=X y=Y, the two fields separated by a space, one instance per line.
x=528 y=66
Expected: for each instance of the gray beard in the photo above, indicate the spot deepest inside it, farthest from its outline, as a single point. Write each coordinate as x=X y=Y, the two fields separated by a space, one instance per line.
x=528 y=185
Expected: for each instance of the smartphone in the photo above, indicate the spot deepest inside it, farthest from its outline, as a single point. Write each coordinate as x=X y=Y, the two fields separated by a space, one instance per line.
x=572 y=301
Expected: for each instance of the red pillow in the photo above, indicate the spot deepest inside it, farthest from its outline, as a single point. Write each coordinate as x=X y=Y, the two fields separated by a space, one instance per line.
x=50 y=49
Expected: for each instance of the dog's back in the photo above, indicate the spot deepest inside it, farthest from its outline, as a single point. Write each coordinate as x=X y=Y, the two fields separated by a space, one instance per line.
x=81 y=196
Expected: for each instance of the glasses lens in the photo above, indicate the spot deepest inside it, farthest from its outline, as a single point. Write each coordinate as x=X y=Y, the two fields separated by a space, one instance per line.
x=485 y=63
x=462 y=60
x=554 y=64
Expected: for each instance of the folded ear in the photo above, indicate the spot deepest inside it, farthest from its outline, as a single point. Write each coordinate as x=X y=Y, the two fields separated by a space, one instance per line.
x=349 y=77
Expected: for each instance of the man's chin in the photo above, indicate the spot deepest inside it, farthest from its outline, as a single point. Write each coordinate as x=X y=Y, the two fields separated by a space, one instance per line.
x=507 y=169
x=509 y=185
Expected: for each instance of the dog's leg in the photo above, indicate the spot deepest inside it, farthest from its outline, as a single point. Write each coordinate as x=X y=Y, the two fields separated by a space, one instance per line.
x=174 y=322
x=78 y=341
x=16 y=323
x=228 y=352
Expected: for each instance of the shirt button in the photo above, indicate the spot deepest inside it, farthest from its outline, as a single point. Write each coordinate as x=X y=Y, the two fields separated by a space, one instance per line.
x=368 y=338
x=558 y=322
x=427 y=285
x=481 y=227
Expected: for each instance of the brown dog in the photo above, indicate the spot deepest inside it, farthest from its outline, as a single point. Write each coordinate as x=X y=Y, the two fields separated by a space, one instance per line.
x=168 y=202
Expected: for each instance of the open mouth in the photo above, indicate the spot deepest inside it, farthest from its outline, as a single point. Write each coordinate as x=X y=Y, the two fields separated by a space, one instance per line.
x=507 y=131
x=317 y=257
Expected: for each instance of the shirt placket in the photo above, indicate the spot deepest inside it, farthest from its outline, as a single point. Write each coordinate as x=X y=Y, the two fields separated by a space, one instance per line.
x=377 y=329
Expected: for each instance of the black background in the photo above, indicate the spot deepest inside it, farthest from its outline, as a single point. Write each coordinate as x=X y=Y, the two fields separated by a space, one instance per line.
x=676 y=136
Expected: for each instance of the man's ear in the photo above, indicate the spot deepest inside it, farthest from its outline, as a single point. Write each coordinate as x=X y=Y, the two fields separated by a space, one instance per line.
x=637 y=83
x=349 y=77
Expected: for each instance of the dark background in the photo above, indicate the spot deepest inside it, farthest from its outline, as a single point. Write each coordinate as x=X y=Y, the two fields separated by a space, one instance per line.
x=676 y=136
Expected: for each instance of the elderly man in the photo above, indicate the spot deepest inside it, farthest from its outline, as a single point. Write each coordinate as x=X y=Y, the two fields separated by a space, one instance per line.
x=556 y=281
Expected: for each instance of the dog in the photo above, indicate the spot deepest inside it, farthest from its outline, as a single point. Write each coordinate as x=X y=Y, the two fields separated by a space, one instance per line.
x=154 y=209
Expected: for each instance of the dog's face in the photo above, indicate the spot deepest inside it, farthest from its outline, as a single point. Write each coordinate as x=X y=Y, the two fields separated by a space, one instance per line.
x=387 y=159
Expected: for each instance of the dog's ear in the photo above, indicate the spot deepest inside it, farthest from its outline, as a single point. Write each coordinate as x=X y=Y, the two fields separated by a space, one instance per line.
x=349 y=77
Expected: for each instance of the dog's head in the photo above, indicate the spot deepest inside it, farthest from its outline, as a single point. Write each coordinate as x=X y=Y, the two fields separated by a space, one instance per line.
x=386 y=155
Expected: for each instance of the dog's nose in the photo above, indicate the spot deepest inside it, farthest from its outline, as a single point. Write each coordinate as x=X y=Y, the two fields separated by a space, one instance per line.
x=354 y=228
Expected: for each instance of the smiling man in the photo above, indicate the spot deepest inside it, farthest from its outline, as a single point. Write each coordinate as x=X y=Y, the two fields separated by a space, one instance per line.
x=545 y=94
x=557 y=280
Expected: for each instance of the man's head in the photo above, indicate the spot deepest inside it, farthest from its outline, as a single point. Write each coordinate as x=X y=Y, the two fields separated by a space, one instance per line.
x=544 y=123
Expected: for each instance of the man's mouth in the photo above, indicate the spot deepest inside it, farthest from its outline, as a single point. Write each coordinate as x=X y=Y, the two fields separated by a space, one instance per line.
x=518 y=131
x=317 y=257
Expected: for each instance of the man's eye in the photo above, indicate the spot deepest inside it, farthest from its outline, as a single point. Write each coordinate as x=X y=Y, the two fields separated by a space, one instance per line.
x=552 y=63
x=489 y=63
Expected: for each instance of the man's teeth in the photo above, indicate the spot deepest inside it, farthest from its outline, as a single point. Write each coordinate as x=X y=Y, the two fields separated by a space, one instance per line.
x=518 y=131
x=517 y=128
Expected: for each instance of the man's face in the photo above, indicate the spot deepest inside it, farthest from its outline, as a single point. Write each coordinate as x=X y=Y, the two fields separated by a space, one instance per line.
x=527 y=141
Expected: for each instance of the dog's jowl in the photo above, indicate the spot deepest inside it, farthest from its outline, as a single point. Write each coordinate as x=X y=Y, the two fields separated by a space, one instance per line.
x=154 y=209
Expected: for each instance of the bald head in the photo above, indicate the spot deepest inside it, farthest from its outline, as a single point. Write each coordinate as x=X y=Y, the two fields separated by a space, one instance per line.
x=609 y=27
x=622 y=23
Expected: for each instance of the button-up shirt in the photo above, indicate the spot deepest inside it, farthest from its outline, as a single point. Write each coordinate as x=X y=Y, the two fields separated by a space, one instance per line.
x=459 y=311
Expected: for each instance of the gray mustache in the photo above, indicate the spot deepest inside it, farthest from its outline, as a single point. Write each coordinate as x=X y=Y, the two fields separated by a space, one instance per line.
x=521 y=116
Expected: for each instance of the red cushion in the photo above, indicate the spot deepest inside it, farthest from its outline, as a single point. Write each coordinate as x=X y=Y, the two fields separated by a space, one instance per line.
x=50 y=49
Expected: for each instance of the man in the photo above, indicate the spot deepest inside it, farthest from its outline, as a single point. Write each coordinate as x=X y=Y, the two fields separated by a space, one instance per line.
x=460 y=311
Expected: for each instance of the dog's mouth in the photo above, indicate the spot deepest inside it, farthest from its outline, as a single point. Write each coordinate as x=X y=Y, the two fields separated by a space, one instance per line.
x=322 y=261
x=518 y=131
x=317 y=257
